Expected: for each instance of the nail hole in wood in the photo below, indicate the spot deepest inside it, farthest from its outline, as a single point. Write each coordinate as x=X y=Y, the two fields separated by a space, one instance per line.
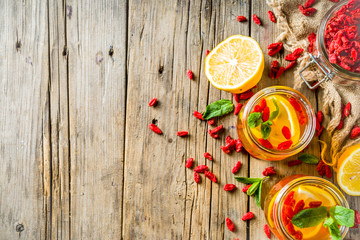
x=161 y=69
x=18 y=45
x=64 y=53
x=170 y=140
x=20 y=228
x=111 y=51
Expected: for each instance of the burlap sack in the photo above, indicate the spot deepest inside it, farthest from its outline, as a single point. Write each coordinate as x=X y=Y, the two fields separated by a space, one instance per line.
x=295 y=27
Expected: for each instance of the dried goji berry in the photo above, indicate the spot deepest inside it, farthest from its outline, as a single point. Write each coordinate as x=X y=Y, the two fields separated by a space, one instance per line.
x=262 y=104
x=197 y=178
x=288 y=211
x=211 y=121
x=210 y=176
x=319 y=131
x=285 y=220
x=217 y=129
x=347 y=109
x=307 y=11
x=357 y=219
x=266 y=114
x=302 y=118
x=269 y=171
x=328 y=171
x=256 y=19
x=267 y=231
x=299 y=206
x=248 y=216
x=182 y=133
x=355 y=132
x=285 y=145
x=298 y=235
x=320 y=116
x=237 y=108
x=274 y=69
x=241 y=18
x=280 y=72
x=257 y=108
x=246 y=188
x=246 y=95
x=213 y=135
x=230 y=146
x=153 y=102
x=236 y=97
x=207 y=52
x=190 y=74
x=198 y=115
x=265 y=143
x=294 y=55
x=238 y=145
x=229 y=187
x=296 y=105
x=271 y=16
x=189 y=163
x=274 y=48
x=237 y=167
x=315 y=204
x=230 y=224
x=290 y=65
x=294 y=163
x=341 y=124
x=286 y=132
x=321 y=168
x=312 y=39
x=155 y=128
x=201 y=169
x=208 y=156
x=289 y=198
x=309 y=3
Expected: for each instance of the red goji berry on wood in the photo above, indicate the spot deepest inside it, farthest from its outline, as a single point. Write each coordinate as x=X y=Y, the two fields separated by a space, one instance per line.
x=207 y=52
x=190 y=74
x=265 y=143
x=238 y=145
x=290 y=65
x=189 y=163
x=320 y=116
x=274 y=48
x=256 y=19
x=355 y=132
x=198 y=115
x=230 y=224
x=201 y=169
x=286 y=132
x=217 y=129
x=197 y=178
x=248 y=216
x=294 y=163
x=208 y=156
x=285 y=145
x=155 y=128
x=267 y=231
x=246 y=95
x=357 y=219
x=237 y=108
x=280 y=72
x=210 y=176
x=236 y=97
x=269 y=171
x=237 y=167
x=182 y=133
x=241 y=18
x=271 y=16
x=319 y=131
x=229 y=187
x=153 y=102
x=246 y=188
x=211 y=121
x=328 y=172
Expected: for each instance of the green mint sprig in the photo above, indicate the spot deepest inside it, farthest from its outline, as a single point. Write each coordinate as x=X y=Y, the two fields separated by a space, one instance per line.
x=266 y=129
x=254 y=119
x=218 y=108
x=274 y=113
x=254 y=189
x=309 y=158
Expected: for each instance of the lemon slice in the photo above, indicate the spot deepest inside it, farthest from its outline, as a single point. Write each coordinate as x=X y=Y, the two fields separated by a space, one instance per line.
x=235 y=65
x=349 y=170
x=286 y=117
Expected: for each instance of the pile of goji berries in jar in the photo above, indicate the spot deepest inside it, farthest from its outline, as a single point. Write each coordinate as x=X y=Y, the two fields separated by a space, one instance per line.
x=342 y=39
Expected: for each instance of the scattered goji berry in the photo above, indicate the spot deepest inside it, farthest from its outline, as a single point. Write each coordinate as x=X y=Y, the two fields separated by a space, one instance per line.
x=307 y=11
x=208 y=156
x=294 y=163
x=182 y=133
x=265 y=143
x=294 y=55
x=190 y=74
x=217 y=129
x=286 y=132
x=299 y=206
x=355 y=132
x=320 y=116
x=236 y=97
x=207 y=52
x=229 y=187
x=238 y=145
x=246 y=188
x=328 y=171
x=347 y=109
x=266 y=114
x=210 y=176
x=285 y=145
x=267 y=231
x=274 y=69
x=269 y=171
x=315 y=204
x=290 y=65
x=189 y=163
x=201 y=169
x=197 y=178
x=298 y=235
x=230 y=224
x=230 y=146
x=357 y=219
x=271 y=16
x=280 y=72
x=241 y=18
x=274 y=48
x=312 y=39
x=237 y=108
x=246 y=95
x=341 y=124
x=153 y=102
x=247 y=216
x=262 y=104
x=296 y=105
x=309 y=3
x=155 y=128
x=256 y=19
x=289 y=198
x=198 y=115
x=237 y=167
x=319 y=131
x=211 y=121
x=321 y=168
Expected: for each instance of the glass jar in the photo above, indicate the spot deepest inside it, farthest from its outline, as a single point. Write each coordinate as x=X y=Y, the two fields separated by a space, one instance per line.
x=251 y=143
x=320 y=56
x=274 y=201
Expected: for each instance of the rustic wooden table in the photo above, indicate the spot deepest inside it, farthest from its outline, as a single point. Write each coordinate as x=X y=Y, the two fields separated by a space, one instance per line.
x=77 y=158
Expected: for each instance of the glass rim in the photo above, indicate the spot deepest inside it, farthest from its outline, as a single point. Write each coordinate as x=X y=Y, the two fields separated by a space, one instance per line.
x=309 y=132
x=279 y=200
x=320 y=42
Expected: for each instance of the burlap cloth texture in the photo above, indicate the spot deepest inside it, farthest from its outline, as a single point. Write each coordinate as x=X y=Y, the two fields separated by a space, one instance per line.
x=294 y=28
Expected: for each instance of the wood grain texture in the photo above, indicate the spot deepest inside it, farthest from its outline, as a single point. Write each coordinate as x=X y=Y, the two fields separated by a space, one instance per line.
x=25 y=202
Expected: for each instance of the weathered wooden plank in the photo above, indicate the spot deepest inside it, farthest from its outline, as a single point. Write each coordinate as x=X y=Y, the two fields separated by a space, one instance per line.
x=96 y=40
x=25 y=193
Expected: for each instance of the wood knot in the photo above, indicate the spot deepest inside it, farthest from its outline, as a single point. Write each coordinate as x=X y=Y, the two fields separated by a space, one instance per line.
x=65 y=51
x=20 y=228
x=111 y=51
x=161 y=69
x=18 y=45
x=154 y=121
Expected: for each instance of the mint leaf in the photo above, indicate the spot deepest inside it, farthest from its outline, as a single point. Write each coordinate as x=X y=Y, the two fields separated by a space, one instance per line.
x=218 y=108
x=247 y=180
x=310 y=217
x=258 y=195
x=308 y=158
x=254 y=119
x=274 y=113
x=343 y=216
x=333 y=228
x=253 y=188
x=266 y=129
